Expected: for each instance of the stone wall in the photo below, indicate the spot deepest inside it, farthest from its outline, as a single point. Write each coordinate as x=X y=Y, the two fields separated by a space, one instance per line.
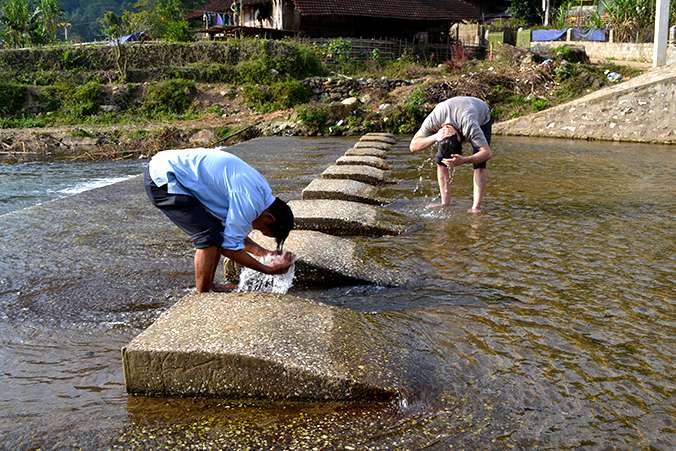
x=621 y=51
x=642 y=109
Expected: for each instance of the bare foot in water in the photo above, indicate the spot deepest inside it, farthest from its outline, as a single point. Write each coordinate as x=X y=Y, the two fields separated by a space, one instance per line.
x=474 y=211
x=436 y=205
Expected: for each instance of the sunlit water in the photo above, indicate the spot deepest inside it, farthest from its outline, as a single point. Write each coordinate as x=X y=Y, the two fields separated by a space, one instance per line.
x=545 y=322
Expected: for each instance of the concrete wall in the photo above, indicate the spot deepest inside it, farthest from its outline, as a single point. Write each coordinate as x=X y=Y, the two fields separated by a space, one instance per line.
x=621 y=51
x=642 y=109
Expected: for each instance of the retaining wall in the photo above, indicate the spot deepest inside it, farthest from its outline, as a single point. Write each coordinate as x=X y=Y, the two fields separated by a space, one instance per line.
x=621 y=51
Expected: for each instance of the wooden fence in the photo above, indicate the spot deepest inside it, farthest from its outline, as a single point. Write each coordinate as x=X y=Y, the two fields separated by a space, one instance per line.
x=362 y=49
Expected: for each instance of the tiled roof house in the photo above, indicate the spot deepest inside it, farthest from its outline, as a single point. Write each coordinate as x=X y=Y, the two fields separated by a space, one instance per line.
x=327 y=18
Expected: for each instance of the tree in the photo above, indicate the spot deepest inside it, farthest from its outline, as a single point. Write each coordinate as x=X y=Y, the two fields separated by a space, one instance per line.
x=112 y=26
x=162 y=19
x=524 y=10
x=50 y=16
x=16 y=20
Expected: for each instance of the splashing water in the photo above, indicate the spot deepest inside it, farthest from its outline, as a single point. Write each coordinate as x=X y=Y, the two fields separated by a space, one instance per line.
x=252 y=280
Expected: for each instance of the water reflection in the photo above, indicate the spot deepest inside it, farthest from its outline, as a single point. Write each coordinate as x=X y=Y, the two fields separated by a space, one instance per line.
x=546 y=321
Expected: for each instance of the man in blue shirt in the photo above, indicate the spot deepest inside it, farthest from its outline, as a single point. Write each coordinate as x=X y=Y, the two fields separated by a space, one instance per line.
x=217 y=199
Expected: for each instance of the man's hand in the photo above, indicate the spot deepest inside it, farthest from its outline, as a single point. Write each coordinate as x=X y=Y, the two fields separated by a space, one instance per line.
x=455 y=160
x=280 y=263
x=446 y=131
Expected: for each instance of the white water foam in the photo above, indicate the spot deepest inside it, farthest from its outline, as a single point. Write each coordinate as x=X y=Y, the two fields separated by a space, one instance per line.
x=92 y=184
x=252 y=280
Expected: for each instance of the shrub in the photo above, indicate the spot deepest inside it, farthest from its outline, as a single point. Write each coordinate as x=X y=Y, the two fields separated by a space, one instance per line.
x=290 y=93
x=258 y=97
x=539 y=104
x=86 y=99
x=405 y=119
x=318 y=116
x=171 y=96
x=279 y=95
x=12 y=96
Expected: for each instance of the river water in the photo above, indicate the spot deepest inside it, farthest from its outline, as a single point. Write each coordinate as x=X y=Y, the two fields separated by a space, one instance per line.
x=546 y=322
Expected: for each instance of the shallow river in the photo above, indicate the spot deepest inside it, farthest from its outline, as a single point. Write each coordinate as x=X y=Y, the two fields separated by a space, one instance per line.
x=547 y=321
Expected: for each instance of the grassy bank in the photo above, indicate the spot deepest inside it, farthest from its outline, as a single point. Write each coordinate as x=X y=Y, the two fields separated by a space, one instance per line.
x=253 y=81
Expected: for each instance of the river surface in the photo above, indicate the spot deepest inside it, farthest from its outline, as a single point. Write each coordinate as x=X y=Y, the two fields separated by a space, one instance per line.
x=548 y=321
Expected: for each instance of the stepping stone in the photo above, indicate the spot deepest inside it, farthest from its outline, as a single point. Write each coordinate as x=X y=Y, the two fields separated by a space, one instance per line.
x=386 y=135
x=372 y=145
x=342 y=190
x=366 y=152
x=343 y=218
x=325 y=261
x=379 y=139
x=258 y=345
x=364 y=174
x=373 y=162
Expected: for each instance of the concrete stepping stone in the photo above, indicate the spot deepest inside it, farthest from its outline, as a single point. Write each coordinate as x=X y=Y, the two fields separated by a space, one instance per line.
x=372 y=145
x=364 y=174
x=343 y=218
x=266 y=346
x=386 y=135
x=373 y=162
x=329 y=261
x=378 y=139
x=342 y=190
x=366 y=152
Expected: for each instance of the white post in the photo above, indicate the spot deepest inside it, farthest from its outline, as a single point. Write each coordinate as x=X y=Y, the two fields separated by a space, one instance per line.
x=661 y=29
x=545 y=9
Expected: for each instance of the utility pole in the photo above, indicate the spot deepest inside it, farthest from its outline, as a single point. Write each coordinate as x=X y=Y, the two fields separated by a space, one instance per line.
x=545 y=10
x=661 y=30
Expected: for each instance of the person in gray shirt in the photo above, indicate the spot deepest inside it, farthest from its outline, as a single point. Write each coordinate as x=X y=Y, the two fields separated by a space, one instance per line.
x=452 y=122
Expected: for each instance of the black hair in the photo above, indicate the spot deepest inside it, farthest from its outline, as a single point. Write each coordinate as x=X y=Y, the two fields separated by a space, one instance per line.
x=283 y=222
x=450 y=146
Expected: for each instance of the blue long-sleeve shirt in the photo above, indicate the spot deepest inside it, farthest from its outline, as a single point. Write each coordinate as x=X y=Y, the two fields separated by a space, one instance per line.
x=229 y=189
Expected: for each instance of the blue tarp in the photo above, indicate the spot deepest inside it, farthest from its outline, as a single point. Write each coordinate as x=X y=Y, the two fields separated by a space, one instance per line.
x=139 y=35
x=548 y=35
x=589 y=34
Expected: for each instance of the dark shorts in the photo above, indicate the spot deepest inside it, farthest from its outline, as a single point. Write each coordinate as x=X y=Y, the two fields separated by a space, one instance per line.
x=487 y=129
x=203 y=228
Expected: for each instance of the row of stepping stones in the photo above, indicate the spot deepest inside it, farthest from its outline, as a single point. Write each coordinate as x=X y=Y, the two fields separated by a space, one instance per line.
x=343 y=202
x=261 y=345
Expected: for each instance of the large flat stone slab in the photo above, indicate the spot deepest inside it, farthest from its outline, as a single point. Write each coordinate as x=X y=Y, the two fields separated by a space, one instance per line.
x=373 y=162
x=372 y=145
x=379 y=139
x=343 y=218
x=326 y=261
x=386 y=135
x=342 y=190
x=366 y=152
x=364 y=174
x=255 y=345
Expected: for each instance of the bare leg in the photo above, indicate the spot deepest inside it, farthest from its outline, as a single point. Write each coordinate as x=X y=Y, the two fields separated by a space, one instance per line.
x=480 y=181
x=206 y=262
x=442 y=178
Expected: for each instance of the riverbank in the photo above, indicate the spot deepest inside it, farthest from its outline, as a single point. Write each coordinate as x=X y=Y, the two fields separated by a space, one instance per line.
x=72 y=104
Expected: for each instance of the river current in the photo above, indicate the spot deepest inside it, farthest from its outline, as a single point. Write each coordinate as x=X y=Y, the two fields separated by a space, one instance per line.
x=545 y=322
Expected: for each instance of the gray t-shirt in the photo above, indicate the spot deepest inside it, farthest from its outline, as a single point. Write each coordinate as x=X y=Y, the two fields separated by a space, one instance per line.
x=465 y=114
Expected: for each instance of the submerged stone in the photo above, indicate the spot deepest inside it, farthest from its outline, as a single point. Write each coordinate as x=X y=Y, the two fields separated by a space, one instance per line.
x=342 y=190
x=366 y=152
x=339 y=217
x=256 y=345
x=363 y=160
x=372 y=145
x=364 y=174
